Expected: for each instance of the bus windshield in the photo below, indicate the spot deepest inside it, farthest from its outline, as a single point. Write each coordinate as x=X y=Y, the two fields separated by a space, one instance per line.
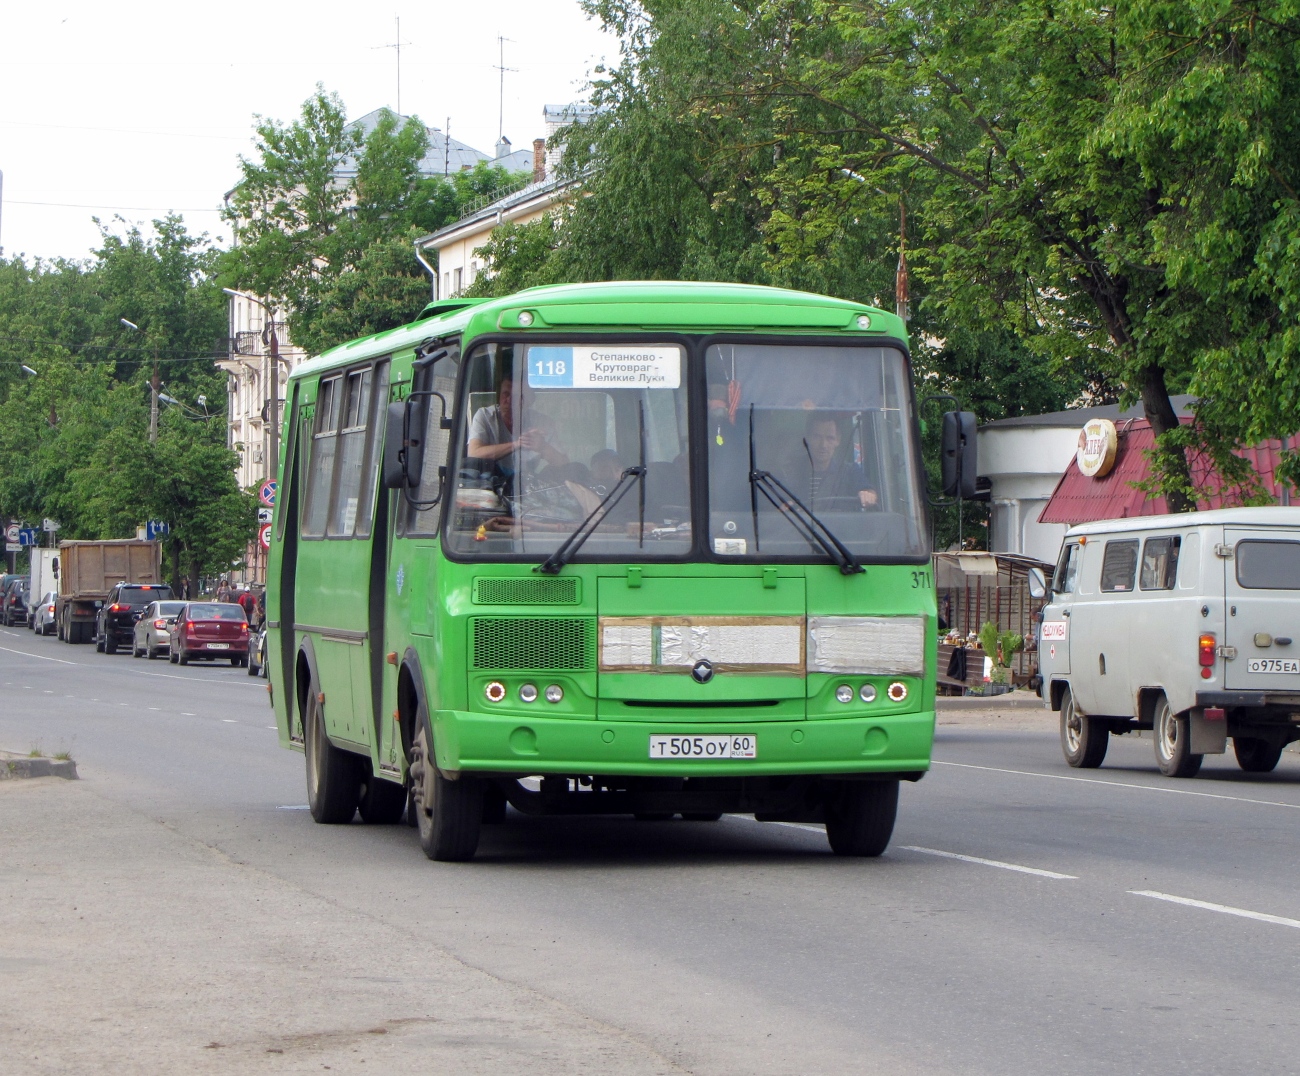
x=832 y=425
x=548 y=431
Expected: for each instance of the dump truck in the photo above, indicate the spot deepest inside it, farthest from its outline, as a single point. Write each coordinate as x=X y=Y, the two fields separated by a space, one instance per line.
x=89 y=570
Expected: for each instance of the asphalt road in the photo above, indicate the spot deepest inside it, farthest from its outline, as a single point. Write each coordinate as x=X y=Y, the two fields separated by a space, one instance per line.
x=1100 y=921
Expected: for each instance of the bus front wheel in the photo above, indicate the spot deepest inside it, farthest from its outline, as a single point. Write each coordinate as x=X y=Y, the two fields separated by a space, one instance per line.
x=448 y=814
x=860 y=816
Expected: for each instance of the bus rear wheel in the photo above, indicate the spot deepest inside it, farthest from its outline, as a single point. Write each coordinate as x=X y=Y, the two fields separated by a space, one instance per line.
x=333 y=777
x=448 y=814
x=860 y=816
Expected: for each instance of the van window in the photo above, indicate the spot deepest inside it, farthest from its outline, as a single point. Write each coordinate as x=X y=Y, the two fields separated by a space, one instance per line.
x=1159 y=563
x=1268 y=565
x=1067 y=569
x=1118 y=565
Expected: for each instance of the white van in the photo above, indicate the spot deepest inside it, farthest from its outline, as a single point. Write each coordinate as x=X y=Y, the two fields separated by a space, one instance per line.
x=1185 y=624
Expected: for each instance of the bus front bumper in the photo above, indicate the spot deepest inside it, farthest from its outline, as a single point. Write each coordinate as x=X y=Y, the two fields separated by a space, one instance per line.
x=508 y=744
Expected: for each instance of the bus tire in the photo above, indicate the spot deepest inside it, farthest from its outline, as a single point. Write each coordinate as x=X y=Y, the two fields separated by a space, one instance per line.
x=1173 y=739
x=701 y=816
x=860 y=816
x=382 y=802
x=1255 y=755
x=333 y=777
x=1083 y=739
x=448 y=814
x=494 y=804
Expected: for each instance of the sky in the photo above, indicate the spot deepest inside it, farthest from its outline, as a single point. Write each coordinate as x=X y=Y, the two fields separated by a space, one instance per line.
x=134 y=109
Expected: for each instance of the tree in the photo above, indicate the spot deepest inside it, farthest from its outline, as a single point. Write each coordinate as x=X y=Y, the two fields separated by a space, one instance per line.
x=325 y=220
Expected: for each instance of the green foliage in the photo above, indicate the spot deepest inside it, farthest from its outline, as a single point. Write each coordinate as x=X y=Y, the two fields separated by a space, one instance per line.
x=325 y=220
x=999 y=645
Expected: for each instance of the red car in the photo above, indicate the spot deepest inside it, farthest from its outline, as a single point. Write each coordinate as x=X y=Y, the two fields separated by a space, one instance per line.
x=209 y=631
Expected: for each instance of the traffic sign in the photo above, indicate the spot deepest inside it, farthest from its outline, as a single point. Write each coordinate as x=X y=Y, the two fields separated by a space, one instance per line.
x=264 y=535
x=50 y=526
x=11 y=534
x=156 y=528
x=13 y=547
x=264 y=515
x=267 y=493
x=29 y=536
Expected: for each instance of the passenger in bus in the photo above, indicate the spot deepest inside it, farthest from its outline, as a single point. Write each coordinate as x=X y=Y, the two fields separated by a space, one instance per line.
x=492 y=434
x=606 y=470
x=819 y=474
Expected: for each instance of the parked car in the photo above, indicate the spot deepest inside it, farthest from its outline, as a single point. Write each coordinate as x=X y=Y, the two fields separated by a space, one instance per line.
x=1188 y=625
x=210 y=631
x=15 y=597
x=115 y=621
x=42 y=619
x=153 y=630
x=257 y=654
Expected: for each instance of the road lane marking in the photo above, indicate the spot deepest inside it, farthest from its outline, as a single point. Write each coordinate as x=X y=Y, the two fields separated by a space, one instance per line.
x=39 y=657
x=1225 y=909
x=228 y=720
x=186 y=713
x=1039 y=872
x=1122 y=784
x=294 y=807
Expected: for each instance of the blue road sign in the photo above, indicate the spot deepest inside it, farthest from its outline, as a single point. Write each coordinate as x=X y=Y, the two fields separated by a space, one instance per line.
x=29 y=536
x=156 y=528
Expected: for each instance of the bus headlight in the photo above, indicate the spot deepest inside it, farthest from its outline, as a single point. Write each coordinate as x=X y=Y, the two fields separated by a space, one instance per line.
x=844 y=693
x=867 y=645
x=554 y=693
x=527 y=692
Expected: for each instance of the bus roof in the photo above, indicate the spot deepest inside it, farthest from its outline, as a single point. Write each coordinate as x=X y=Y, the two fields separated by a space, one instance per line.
x=669 y=306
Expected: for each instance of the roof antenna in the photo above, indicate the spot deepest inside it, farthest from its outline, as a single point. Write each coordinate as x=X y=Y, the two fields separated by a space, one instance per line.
x=397 y=47
x=502 y=68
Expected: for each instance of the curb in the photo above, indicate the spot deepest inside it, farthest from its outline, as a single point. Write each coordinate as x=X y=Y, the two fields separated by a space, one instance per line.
x=13 y=768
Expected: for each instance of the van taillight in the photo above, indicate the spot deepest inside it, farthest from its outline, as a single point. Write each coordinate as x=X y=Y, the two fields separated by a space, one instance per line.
x=1205 y=654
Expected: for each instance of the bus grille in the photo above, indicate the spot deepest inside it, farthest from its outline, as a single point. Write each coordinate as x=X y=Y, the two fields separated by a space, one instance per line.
x=560 y=591
x=519 y=643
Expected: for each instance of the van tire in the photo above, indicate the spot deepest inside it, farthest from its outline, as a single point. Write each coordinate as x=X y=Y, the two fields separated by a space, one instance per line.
x=1255 y=755
x=860 y=816
x=1083 y=739
x=1172 y=734
x=448 y=814
x=333 y=775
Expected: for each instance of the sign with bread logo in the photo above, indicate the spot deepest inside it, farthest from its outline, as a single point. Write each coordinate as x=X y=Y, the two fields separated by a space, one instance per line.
x=1098 y=444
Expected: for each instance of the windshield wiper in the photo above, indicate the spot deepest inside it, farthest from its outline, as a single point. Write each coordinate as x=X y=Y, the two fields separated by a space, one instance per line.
x=801 y=517
x=557 y=560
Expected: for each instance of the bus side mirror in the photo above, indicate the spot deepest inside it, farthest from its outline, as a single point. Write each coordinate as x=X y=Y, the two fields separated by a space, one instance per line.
x=957 y=455
x=1037 y=583
x=397 y=448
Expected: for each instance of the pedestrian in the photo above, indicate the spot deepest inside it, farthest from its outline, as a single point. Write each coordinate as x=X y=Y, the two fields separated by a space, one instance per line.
x=261 y=608
x=223 y=590
x=248 y=603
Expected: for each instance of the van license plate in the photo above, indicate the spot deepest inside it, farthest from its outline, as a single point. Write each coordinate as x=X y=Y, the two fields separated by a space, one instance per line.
x=1273 y=665
x=743 y=745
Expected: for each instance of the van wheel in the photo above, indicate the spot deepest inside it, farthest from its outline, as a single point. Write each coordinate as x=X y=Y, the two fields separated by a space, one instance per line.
x=1254 y=755
x=1083 y=739
x=1173 y=739
x=860 y=816
x=333 y=775
x=448 y=814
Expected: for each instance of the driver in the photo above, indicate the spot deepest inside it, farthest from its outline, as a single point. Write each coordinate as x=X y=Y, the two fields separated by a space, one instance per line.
x=492 y=434
x=820 y=473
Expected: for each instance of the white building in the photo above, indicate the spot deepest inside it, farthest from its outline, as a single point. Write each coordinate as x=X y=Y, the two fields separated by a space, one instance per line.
x=1023 y=458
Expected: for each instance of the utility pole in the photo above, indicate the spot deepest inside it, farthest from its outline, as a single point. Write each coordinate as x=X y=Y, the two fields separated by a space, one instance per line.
x=155 y=387
x=902 y=295
x=273 y=418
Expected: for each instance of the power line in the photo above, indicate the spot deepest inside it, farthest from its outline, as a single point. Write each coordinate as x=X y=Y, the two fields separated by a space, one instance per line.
x=124 y=208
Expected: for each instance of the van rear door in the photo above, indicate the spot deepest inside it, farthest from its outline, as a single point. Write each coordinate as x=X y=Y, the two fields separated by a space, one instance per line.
x=1262 y=590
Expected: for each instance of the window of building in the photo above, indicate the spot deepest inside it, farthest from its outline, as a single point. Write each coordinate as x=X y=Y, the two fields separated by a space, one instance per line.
x=1159 y=563
x=456 y=278
x=1119 y=565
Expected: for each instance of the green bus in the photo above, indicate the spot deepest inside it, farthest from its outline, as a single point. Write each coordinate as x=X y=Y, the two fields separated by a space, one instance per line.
x=622 y=548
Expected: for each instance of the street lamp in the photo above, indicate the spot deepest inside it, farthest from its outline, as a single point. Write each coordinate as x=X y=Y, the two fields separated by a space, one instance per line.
x=273 y=404
x=153 y=385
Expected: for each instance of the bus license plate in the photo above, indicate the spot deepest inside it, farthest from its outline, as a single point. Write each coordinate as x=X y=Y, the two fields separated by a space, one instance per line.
x=744 y=745
x=1273 y=665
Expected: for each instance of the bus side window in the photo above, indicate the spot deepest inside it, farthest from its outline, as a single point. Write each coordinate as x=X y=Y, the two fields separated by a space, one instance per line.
x=352 y=504
x=1067 y=569
x=320 y=463
x=437 y=441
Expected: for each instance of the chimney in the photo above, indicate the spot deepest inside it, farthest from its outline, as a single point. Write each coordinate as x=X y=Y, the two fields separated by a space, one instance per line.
x=539 y=159
x=503 y=147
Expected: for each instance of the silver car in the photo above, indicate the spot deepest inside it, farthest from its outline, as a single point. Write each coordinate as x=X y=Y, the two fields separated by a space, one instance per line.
x=151 y=637
x=42 y=621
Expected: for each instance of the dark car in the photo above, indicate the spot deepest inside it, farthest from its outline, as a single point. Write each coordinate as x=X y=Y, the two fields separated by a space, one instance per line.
x=115 y=622
x=210 y=631
x=15 y=597
x=153 y=629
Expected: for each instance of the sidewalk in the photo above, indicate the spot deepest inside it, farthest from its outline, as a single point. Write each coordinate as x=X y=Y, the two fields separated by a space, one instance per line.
x=1018 y=709
x=129 y=948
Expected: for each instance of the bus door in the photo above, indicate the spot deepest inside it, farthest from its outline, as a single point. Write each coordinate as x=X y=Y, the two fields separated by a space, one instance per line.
x=332 y=593
x=1261 y=582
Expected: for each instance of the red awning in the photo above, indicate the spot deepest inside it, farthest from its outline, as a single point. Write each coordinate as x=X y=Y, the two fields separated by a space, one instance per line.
x=1080 y=499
